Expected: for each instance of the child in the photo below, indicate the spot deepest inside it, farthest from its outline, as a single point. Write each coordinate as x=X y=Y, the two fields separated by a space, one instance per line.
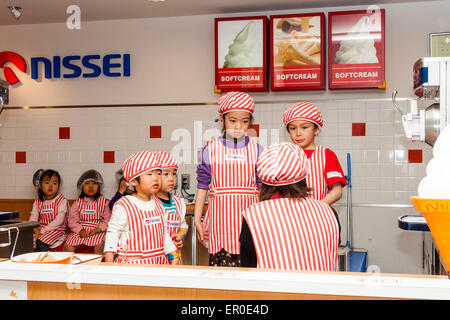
x=228 y=169
x=89 y=214
x=174 y=206
x=50 y=209
x=123 y=189
x=137 y=231
x=303 y=122
x=292 y=231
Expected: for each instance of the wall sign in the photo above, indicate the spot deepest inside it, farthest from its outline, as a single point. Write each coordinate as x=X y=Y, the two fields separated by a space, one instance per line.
x=297 y=56
x=240 y=48
x=356 y=41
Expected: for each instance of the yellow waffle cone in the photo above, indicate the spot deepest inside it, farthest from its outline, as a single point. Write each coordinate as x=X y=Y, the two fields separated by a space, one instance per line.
x=437 y=215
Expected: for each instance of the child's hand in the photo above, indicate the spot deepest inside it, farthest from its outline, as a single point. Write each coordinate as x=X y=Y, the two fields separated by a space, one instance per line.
x=205 y=232
x=178 y=241
x=83 y=234
x=95 y=231
x=37 y=233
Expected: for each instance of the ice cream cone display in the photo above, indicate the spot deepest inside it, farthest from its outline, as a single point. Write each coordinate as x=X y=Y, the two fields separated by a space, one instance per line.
x=296 y=52
x=437 y=215
x=240 y=53
x=356 y=49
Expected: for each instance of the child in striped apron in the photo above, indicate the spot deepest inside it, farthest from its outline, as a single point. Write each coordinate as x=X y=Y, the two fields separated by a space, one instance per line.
x=303 y=122
x=50 y=209
x=89 y=215
x=292 y=231
x=174 y=206
x=137 y=231
x=227 y=168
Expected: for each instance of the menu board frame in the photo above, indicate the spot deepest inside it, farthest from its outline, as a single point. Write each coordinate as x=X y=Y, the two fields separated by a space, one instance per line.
x=262 y=84
x=380 y=81
x=276 y=71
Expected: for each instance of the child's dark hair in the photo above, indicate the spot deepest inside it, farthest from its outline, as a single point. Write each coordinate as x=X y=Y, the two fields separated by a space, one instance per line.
x=47 y=173
x=293 y=191
x=95 y=196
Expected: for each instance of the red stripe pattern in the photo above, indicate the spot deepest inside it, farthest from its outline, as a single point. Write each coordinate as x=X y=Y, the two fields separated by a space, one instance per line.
x=166 y=160
x=233 y=185
x=47 y=213
x=90 y=218
x=145 y=242
x=294 y=234
x=139 y=163
x=316 y=178
x=282 y=164
x=303 y=111
x=236 y=101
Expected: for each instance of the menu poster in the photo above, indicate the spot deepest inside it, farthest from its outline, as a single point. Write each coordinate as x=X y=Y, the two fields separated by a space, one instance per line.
x=297 y=51
x=356 y=41
x=240 y=45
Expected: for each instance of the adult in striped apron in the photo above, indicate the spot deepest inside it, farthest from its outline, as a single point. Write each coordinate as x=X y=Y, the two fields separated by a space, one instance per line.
x=91 y=214
x=47 y=211
x=295 y=231
x=145 y=241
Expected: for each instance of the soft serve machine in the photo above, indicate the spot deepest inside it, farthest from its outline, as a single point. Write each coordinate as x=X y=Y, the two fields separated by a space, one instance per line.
x=428 y=115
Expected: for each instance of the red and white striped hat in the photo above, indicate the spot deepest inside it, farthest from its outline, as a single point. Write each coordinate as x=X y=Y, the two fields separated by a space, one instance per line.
x=303 y=111
x=236 y=101
x=282 y=164
x=139 y=163
x=166 y=160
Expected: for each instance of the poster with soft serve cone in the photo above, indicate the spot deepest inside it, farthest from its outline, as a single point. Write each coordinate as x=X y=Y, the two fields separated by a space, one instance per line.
x=297 y=51
x=356 y=53
x=240 y=45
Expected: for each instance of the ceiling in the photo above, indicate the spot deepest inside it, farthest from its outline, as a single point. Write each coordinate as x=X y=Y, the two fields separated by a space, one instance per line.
x=51 y=11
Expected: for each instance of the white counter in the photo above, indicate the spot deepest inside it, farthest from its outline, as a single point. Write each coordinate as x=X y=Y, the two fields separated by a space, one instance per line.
x=354 y=284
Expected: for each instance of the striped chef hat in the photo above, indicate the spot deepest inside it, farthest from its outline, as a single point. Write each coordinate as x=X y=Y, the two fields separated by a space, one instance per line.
x=166 y=160
x=303 y=111
x=282 y=164
x=236 y=101
x=139 y=163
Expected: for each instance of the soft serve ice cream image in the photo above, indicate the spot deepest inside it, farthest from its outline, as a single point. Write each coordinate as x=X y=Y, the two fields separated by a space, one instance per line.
x=358 y=45
x=435 y=184
x=246 y=50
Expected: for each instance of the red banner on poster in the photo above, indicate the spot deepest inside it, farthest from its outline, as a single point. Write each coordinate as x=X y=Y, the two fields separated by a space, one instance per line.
x=297 y=76
x=237 y=77
x=356 y=41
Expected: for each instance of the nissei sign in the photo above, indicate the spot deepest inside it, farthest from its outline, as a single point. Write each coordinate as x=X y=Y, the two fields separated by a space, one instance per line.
x=89 y=66
x=73 y=66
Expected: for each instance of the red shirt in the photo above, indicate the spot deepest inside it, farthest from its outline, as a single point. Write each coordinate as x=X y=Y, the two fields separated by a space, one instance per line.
x=333 y=170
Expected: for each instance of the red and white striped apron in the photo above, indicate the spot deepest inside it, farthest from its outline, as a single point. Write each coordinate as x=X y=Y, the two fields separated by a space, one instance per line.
x=233 y=184
x=48 y=210
x=294 y=234
x=90 y=218
x=145 y=241
x=316 y=175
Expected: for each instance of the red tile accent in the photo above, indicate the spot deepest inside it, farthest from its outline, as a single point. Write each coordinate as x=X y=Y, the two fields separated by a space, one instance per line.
x=108 y=157
x=21 y=157
x=358 y=129
x=155 y=132
x=415 y=156
x=64 y=132
x=253 y=130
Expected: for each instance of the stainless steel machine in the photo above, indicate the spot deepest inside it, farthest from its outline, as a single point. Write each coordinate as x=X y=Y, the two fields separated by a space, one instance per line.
x=429 y=114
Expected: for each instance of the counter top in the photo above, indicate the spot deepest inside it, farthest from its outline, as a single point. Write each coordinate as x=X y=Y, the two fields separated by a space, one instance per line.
x=339 y=283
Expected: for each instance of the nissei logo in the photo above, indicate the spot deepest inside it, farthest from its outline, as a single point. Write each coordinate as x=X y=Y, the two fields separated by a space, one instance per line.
x=88 y=66
x=15 y=59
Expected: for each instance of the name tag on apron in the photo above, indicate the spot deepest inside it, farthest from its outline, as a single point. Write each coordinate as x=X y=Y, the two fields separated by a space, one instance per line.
x=89 y=211
x=47 y=211
x=235 y=157
x=173 y=224
x=151 y=221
